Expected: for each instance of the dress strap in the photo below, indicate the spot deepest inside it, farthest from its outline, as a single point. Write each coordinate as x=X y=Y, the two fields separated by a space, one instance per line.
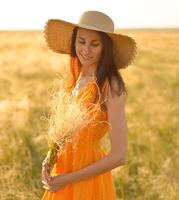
x=101 y=97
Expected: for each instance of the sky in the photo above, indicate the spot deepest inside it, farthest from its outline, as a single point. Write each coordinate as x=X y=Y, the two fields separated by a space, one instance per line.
x=33 y=14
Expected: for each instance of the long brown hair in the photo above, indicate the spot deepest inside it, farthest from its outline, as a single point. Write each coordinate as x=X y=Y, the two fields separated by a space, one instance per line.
x=106 y=67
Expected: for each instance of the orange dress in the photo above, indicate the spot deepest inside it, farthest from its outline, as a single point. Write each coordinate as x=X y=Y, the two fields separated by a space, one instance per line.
x=87 y=150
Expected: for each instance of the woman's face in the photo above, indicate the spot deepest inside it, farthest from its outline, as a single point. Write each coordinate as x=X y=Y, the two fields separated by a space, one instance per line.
x=88 y=47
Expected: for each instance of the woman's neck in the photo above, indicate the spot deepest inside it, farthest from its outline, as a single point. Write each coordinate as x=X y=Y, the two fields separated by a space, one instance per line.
x=87 y=71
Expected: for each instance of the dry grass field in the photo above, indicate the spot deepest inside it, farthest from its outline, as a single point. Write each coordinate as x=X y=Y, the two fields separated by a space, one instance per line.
x=28 y=70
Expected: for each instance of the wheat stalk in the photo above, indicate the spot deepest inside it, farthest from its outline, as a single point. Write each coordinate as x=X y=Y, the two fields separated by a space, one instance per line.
x=68 y=117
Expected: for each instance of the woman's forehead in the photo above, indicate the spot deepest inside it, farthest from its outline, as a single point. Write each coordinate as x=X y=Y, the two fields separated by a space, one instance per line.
x=88 y=34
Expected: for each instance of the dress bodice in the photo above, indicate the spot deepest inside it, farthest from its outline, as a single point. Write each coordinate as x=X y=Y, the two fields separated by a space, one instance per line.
x=87 y=150
x=90 y=93
x=86 y=144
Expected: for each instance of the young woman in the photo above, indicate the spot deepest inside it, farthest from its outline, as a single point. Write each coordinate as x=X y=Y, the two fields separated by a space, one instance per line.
x=97 y=53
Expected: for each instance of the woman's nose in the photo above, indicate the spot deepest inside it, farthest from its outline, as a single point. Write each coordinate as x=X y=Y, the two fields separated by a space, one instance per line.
x=86 y=49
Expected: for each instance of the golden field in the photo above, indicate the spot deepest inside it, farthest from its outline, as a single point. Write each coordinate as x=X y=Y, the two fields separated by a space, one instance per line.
x=28 y=71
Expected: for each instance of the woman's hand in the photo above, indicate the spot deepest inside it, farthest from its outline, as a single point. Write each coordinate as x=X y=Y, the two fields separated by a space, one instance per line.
x=46 y=168
x=56 y=182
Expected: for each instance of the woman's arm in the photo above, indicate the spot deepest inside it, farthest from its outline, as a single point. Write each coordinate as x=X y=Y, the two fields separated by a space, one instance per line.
x=118 y=139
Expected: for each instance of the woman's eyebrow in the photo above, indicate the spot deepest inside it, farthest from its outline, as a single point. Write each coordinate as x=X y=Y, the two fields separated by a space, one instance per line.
x=84 y=39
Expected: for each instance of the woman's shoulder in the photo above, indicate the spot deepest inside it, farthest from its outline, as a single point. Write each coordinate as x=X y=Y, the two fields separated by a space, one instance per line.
x=109 y=91
x=111 y=85
x=112 y=89
x=106 y=89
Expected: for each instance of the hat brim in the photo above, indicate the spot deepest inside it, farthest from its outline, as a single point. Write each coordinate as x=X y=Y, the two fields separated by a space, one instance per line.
x=58 y=37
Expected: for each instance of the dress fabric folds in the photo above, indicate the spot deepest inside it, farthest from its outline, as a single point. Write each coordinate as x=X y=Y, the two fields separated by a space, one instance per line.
x=87 y=150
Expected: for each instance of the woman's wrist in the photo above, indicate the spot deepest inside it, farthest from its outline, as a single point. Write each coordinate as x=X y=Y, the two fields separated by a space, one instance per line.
x=66 y=178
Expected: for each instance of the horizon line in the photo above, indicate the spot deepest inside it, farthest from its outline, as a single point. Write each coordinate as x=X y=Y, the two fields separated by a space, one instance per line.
x=117 y=29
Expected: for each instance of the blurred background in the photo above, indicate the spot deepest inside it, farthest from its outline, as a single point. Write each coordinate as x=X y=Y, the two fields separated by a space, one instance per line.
x=28 y=71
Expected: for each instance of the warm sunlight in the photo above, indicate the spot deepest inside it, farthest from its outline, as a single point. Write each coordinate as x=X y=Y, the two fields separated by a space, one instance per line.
x=21 y=14
x=64 y=134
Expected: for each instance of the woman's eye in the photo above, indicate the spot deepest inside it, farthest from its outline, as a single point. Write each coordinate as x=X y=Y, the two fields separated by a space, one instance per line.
x=95 y=45
x=81 y=42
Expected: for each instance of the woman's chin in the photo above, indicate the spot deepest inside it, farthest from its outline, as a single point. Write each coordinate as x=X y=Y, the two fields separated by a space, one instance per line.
x=86 y=63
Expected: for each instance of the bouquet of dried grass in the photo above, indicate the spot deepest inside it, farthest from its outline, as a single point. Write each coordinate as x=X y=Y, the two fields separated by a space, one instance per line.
x=68 y=116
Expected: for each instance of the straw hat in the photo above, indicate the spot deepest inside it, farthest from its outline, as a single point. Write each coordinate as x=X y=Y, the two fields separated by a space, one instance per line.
x=58 y=36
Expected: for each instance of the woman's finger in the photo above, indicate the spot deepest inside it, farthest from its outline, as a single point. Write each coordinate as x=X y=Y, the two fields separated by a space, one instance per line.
x=47 y=188
x=46 y=175
x=45 y=183
x=48 y=167
x=43 y=175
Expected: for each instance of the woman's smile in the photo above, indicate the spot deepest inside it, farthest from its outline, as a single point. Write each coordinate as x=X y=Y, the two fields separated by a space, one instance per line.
x=85 y=57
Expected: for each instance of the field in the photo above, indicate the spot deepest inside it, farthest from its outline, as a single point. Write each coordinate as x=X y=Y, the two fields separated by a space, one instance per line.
x=28 y=70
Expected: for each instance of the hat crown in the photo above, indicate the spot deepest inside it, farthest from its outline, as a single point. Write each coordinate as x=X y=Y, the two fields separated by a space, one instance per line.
x=58 y=35
x=96 y=20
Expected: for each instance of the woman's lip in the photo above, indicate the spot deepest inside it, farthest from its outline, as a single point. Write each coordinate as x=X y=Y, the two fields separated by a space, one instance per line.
x=86 y=58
